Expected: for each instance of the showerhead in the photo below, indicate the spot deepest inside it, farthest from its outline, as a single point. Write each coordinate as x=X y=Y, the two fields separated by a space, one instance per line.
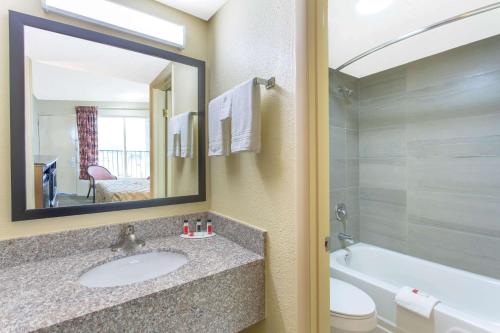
x=346 y=92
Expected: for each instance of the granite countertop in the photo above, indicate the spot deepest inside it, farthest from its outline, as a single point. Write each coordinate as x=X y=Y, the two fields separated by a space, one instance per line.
x=39 y=294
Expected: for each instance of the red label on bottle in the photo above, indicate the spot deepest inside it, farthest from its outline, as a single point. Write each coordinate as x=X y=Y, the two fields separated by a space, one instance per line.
x=209 y=229
x=186 y=230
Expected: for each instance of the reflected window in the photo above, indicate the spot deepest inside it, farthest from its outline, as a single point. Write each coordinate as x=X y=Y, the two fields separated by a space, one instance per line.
x=124 y=146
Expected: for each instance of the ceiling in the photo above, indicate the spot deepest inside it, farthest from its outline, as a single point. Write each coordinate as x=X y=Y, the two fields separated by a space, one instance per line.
x=352 y=33
x=203 y=9
x=56 y=83
x=68 y=68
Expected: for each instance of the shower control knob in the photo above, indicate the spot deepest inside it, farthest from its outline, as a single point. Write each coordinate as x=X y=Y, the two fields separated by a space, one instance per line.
x=341 y=212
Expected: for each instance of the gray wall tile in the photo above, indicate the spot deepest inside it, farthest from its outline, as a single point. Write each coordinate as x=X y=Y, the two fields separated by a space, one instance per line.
x=343 y=111
x=387 y=242
x=388 y=173
x=352 y=144
x=479 y=57
x=468 y=251
x=383 y=217
x=383 y=111
x=468 y=147
x=338 y=143
x=390 y=82
x=429 y=158
x=465 y=97
x=453 y=128
x=344 y=164
x=352 y=173
x=458 y=211
x=471 y=175
x=382 y=142
x=337 y=174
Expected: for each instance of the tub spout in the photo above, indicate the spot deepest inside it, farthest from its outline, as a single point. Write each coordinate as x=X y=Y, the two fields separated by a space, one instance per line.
x=345 y=239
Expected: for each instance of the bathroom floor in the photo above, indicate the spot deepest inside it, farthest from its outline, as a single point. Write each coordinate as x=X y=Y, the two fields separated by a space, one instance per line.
x=67 y=200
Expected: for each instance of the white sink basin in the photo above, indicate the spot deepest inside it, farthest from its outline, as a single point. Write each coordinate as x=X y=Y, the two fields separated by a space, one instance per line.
x=133 y=269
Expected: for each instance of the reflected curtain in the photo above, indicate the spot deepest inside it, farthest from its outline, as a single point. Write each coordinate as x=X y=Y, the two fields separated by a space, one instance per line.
x=86 y=121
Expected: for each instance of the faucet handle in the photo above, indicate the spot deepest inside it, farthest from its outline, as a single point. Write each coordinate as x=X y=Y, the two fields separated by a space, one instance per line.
x=129 y=229
x=127 y=240
x=341 y=212
x=116 y=247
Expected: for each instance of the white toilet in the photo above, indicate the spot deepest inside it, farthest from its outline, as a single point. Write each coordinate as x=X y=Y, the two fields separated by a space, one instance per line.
x=351 y=309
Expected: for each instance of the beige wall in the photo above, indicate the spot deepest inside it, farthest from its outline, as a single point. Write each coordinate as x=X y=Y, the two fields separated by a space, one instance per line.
x=247 y=39
x=196 y=47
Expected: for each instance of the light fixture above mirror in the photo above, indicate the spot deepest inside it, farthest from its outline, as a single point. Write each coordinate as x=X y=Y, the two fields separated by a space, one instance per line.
x=121 y=18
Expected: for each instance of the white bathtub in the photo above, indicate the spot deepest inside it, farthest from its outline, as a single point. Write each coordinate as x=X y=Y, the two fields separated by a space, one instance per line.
x=470 y=303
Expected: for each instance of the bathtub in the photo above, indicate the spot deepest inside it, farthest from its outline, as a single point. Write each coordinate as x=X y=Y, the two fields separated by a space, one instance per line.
x=470 y=303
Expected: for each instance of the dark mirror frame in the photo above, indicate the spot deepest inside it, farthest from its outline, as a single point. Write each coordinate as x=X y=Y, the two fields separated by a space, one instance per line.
x=17 y=22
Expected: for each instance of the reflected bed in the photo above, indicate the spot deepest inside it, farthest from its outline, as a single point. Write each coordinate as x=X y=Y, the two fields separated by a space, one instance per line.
x=122 y=190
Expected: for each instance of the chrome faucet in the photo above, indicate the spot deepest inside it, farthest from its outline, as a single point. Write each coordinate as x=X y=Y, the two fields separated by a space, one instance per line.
x=127 y=242
x=345 y=239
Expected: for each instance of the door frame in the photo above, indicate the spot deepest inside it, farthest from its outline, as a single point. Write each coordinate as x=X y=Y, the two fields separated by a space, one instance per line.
x=319 y=164
x=313 y=155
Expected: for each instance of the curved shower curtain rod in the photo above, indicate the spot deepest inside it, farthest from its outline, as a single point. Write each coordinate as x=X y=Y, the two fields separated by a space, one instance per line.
x=420 y=31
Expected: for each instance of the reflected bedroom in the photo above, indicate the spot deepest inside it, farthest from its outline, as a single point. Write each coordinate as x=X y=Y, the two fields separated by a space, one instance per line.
x=107 y=124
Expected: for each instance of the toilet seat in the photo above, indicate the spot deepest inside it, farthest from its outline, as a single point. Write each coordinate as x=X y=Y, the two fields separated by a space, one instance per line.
x=351 y=308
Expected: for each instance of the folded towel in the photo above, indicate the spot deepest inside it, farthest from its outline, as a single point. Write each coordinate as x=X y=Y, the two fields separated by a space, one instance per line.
x=219 y=110
x=185 y=125
x=173 y=144
x=416 y=301
x=245 y=118
x=180 y=136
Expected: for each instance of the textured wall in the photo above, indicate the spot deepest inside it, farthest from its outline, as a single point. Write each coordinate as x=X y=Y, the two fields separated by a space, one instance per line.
x=196 y=47
x=344 y=163
x=248 y=39
x=429 y=147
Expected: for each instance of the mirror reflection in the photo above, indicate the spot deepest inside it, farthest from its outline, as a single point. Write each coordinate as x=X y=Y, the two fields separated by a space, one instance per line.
x=106 y=124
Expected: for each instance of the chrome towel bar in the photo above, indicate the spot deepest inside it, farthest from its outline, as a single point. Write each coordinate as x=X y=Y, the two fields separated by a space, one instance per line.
x=269 y=83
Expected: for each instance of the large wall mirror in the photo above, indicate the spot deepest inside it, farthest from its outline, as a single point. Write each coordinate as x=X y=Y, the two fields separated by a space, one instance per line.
x=99 y=123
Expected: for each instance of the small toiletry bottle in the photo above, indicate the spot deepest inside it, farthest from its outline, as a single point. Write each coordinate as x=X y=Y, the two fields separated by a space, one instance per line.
x=209 y=227
x=185 y=227
x=198 y=225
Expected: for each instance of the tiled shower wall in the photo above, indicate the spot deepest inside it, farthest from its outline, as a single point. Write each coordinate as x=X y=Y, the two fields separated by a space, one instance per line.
x=344 y=164
x=429 y=158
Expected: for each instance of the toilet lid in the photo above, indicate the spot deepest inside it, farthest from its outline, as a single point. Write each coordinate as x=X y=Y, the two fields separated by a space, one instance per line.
x=348 y=300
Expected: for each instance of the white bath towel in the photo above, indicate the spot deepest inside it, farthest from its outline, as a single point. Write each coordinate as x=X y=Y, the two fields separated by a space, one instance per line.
x=245 y=118
x=219 y=110
x=185 y=125
x=180 y=136
x=416 y=301
x=173 y=146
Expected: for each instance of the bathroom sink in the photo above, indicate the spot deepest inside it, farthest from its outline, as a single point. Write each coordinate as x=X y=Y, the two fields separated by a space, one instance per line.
x=133 y=269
